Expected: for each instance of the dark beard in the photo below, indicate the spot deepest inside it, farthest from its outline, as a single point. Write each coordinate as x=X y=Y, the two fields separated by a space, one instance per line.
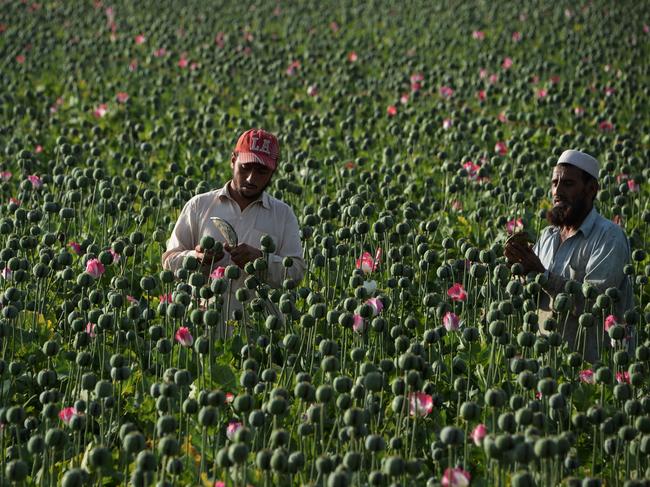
x=570 y=215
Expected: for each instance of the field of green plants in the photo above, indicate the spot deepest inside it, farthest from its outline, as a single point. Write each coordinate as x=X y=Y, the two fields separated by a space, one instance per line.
x=415 y=138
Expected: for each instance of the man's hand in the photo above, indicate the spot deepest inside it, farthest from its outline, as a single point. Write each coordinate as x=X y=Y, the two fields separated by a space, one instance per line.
x=207 y=257
x=523 y=254
x=243 y=253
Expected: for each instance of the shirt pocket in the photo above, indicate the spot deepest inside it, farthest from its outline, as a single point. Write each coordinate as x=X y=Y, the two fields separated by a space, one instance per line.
x=267 y=224
x=577 y=274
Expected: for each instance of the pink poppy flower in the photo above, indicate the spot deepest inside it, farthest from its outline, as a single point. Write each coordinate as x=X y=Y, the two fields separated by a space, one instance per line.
x=578 y=111
x=493 y=78
x=618 y=220
x=420 y=404
x=516 y=36
x=451 y=321
x=219 y=483
x=183 y=62
x=478 y=35
x=623 y=377
x=95 y=268
x=312 y=90
x=478 y=433
x=5 y=175
x=352 y=57
x=160 y=52
x=514 y=225
x=502 y=117
x=417 y=77
x=367 y=263
x=232 y=428
x=610 y=321
x=501 y=148
x=646 y=28
x=293 y=66
x=165 y=298
x=391 y=110
x=481 y=95
x=230 y=397
x=446 y=91
x=457 y=292
x=55 y=107
x=133 y=65
x=415 y=86
x=609 y=91
x=507 y=63
x=358 y=325
x=6 y=273
x=101 y=110
x=131 y=299
x=218 y=272
x=15 y=201
x=91 y=329
x=404 y=99
x=76 y=248
x=455 y=477
x=457 y=205
x=122 y=96
x=447 y=123
x=555 y=79
x=482 y=73
x=116 y=257
x=66 y=414
x=472 y=170
x=541 y=93
x=377 y=305
x=38 y=149
x=20 y=59
x=334 y=27
x=184 y=337
x=632 y=186
x=606 y=126
x=139 y=39
x=36 y=181
x=587 y=376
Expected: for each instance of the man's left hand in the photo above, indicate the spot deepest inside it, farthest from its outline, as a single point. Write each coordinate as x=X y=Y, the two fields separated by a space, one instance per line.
x=523 y=254
x=243 y=253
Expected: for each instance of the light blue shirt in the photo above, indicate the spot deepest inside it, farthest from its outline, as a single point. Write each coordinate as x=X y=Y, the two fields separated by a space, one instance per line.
x=596 y=253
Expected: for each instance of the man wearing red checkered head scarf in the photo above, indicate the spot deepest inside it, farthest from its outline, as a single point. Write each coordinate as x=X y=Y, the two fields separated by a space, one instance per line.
x=252 y=212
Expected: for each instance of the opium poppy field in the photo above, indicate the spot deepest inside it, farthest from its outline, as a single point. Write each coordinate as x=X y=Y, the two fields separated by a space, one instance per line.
x=415 y=138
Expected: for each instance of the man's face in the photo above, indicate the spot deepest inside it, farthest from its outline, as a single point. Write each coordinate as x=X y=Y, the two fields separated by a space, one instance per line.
x=249 y=179
x=572 y=196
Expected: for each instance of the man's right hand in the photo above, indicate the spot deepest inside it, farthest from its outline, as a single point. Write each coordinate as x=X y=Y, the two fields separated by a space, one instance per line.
x=207 y=258
x=522 y=253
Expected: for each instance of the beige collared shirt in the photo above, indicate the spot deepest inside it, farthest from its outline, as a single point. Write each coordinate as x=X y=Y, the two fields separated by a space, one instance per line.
x=266 y=215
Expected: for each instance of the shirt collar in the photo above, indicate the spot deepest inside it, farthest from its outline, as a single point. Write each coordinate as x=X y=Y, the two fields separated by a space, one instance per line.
x=264 y=199
x=588 y=223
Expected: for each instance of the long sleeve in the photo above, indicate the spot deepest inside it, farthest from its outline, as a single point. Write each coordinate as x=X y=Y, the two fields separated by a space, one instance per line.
x=291 y=247
x=183 y=238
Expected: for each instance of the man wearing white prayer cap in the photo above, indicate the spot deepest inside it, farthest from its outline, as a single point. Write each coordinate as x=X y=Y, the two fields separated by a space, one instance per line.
x=583 y=246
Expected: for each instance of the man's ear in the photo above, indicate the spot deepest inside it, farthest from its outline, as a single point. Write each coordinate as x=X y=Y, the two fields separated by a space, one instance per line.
x=593 y=188
x=233 y=158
